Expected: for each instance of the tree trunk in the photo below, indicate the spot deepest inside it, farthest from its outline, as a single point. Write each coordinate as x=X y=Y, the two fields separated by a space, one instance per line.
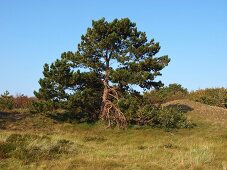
x=109 y=111
x=105 y=95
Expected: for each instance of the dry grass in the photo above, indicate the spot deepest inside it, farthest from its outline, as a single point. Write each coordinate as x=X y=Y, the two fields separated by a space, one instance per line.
x=203 y=147
x=208 y=113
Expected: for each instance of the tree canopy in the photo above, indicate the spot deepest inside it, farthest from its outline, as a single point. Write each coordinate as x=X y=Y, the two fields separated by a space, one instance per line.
x=113 y=59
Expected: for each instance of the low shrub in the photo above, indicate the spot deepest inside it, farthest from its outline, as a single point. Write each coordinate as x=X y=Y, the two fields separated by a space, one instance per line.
x=6 y=101
x=166 y=94
x=21 y=101
x=170 y=118
x=20 y=147
x=140 y=111
x=167 y=117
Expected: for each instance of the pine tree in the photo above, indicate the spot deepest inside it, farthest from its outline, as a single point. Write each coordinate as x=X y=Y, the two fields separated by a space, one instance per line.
x=120 y=57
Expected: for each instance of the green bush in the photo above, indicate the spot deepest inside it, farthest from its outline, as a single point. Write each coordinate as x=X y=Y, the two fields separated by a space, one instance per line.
x=140 y=111
x=211 y=96
x=166 y=94
x=6 y=101
x=167 y=117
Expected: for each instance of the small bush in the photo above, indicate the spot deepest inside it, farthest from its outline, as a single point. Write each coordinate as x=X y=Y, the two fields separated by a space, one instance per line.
x=167 y=118
x=21 y=101
x=140 y=111
x=6 y=101
x=166 y=94
x=169 y=146
x=170 y=118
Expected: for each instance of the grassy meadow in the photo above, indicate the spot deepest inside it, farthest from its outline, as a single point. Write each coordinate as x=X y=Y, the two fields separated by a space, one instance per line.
x=39 y=142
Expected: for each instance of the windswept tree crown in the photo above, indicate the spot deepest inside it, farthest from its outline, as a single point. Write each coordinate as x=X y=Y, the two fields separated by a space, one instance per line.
x=125 y=51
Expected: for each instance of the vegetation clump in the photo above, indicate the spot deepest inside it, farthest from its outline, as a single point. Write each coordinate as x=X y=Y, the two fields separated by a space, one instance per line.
x=210 y=96
x=20 y=101
x=27 y=148
x=6 y=101
x=140 y=111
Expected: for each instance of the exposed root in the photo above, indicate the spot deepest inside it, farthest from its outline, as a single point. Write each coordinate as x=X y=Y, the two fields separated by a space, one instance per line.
x=111 y=113
x=114 y=115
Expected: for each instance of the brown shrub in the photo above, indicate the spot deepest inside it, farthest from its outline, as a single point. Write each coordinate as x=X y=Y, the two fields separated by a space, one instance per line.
x=21 y=101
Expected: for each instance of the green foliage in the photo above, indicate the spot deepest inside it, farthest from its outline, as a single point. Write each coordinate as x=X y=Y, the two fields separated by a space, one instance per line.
x=85 y=105
x=6 y=101
x=120 y=42
x=139 y=111
x=42 y=106
x=167 y=118
x=170 y=118
x=166 y=94
x=210 y=96
x=66 y=88
x=130 y=104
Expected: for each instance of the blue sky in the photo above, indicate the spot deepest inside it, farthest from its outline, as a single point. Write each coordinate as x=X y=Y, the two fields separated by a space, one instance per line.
x=192 y=32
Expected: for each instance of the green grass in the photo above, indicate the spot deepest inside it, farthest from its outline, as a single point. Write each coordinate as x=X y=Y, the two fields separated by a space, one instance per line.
x=37 y=142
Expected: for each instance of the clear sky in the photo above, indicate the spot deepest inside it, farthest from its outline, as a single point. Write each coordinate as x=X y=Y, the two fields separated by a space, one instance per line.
x=192 y=32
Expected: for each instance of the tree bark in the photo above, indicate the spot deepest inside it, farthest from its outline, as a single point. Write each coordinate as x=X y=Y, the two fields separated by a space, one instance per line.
x=109 y=111
x=105 y=95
